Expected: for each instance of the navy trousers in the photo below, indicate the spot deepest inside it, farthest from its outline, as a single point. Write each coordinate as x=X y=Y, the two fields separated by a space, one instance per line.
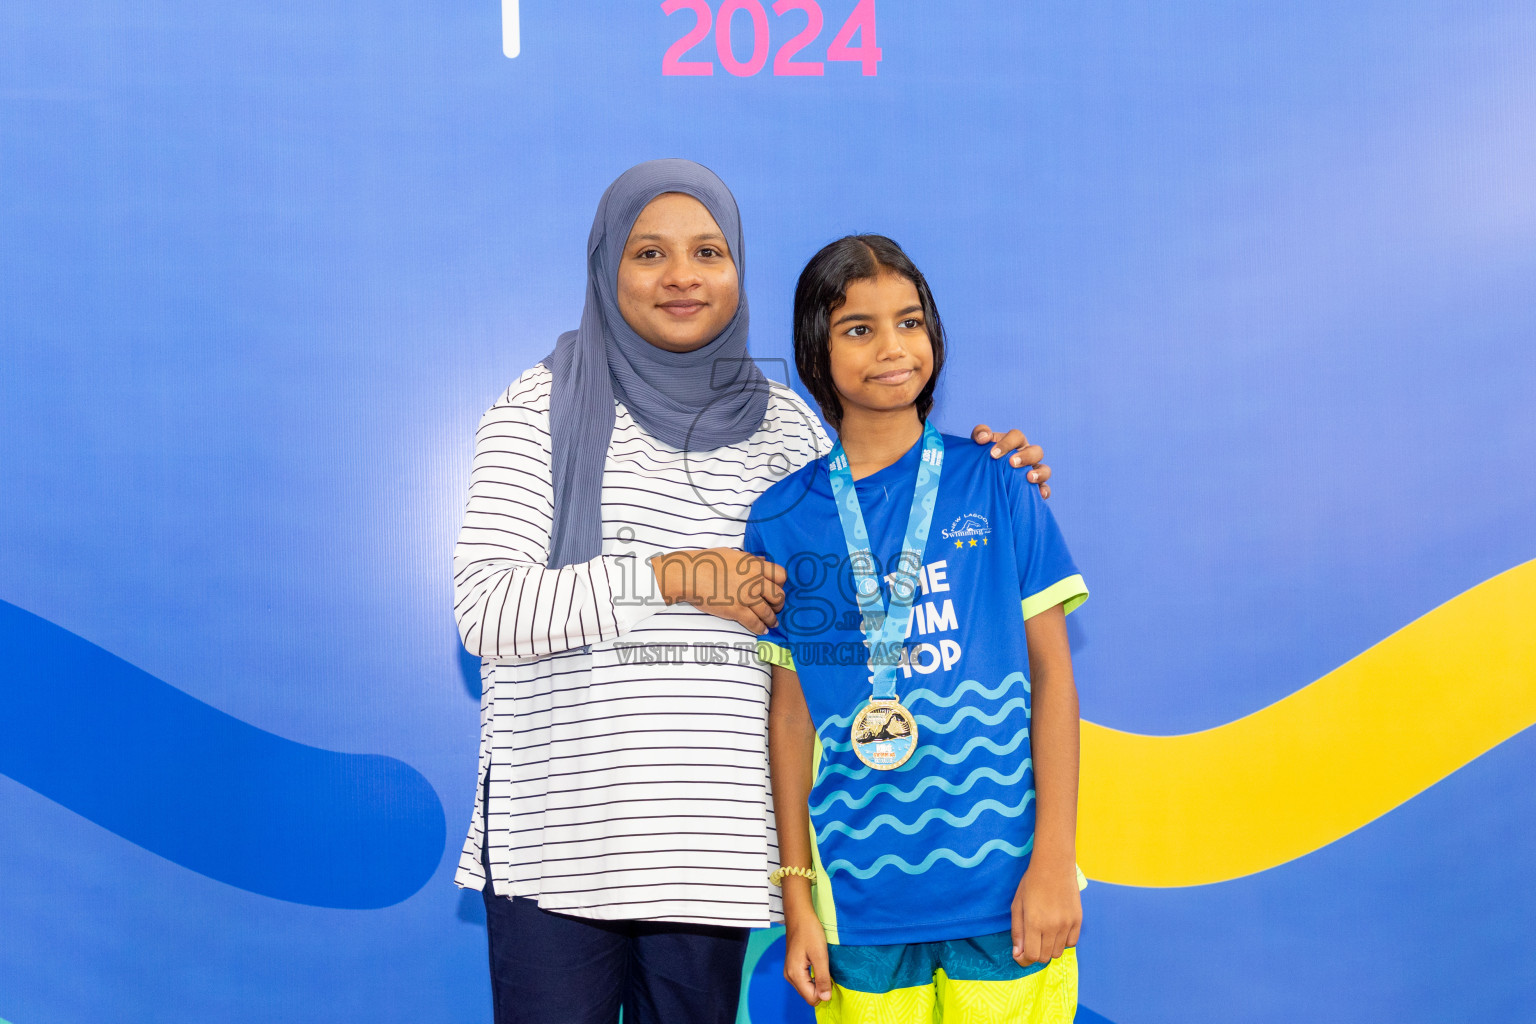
x=549 y=968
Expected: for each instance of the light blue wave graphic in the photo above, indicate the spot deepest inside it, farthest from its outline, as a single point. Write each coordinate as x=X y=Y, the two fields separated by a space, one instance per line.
x=926 y=818
x=929 y=724
x=842 y=721
x=930 y=782
x=890 y=860
x=928 y=696
x=935 y=752
x=924 y=722
x=969 y=686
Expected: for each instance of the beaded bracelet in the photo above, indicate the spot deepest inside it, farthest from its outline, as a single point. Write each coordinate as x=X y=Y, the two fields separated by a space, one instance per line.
x=777 y=876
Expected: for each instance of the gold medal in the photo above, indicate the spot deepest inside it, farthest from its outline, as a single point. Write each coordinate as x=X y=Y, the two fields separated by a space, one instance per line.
x=884 y=734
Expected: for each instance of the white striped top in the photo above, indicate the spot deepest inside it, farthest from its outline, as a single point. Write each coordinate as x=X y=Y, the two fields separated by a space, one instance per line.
x=625 y=740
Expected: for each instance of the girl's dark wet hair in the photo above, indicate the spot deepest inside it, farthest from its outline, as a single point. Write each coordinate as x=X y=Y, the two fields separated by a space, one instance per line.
x=823 y=287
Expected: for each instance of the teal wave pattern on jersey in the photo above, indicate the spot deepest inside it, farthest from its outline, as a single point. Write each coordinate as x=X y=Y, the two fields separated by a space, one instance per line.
x=924 y=723
x=1016 y=704
x=926 y=818
x=968 y=686
x=976 y=743
x=890 y=860
x=930 y=782
x=930 y=697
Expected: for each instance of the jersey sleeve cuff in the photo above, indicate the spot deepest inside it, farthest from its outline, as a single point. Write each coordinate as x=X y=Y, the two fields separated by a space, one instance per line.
x=772 y=654
x=1069 y=593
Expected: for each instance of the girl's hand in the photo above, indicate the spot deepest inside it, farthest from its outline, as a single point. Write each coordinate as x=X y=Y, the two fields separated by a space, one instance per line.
x=1047 y=913
x=1024 y=454
x=805 y=957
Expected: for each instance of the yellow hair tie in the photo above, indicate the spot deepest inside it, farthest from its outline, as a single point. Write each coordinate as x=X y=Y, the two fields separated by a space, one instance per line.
x=777 y=875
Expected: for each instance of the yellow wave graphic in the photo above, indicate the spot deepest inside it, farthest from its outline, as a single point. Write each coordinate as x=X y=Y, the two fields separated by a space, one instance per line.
x=1313 y=767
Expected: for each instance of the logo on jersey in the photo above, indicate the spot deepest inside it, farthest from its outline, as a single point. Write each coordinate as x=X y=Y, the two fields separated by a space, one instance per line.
x=972 y=524
x=969 y=531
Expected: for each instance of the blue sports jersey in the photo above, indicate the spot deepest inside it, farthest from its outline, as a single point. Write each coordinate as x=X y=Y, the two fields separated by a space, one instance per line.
x=934 y=849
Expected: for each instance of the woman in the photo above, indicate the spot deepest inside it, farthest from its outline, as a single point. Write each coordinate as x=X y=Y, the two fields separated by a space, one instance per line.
x=622 y=834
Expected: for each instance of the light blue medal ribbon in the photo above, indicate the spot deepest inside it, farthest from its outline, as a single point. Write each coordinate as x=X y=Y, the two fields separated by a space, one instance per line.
x=890 y=730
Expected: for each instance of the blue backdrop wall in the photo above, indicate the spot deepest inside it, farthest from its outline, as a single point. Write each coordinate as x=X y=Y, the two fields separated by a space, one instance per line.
x=1258 y=275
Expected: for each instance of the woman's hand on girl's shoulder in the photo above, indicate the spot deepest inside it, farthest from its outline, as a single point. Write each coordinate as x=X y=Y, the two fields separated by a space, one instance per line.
x=1022 y=454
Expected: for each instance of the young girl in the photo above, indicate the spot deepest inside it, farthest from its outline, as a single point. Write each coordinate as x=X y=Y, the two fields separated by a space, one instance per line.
x=925 y=784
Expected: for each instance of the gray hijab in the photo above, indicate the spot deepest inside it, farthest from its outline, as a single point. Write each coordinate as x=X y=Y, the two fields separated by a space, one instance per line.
x=695 y=401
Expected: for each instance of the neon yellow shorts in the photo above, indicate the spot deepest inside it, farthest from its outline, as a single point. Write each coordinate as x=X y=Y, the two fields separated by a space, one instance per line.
x=962 y=981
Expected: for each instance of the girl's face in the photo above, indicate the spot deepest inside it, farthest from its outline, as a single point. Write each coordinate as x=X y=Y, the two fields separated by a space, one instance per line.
x=881 y=357
x=677 y=281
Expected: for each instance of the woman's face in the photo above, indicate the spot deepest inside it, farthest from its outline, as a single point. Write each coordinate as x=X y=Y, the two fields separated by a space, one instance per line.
x=880 y=353
x=677 y=281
